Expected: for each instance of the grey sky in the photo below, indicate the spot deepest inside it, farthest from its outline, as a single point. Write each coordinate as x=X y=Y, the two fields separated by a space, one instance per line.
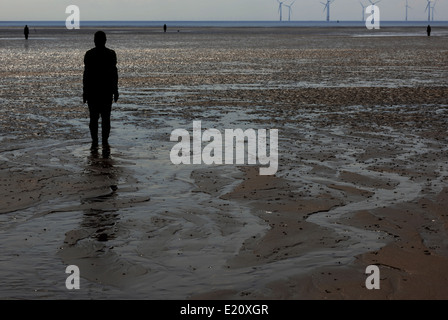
x=170 y=10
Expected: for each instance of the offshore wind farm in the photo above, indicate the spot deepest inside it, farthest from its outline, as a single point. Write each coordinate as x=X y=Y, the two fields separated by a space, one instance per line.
x=286 y=11
x=429 y=9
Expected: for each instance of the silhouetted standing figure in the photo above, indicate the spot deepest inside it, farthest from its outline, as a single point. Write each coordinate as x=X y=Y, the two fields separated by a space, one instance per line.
x=428 y=30
x=26 y=32
x=100 y=87
x=164 y=28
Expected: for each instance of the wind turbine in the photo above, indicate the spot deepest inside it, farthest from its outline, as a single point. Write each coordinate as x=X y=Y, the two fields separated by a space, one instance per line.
x=407 y=7
x=433 y=8
x=363 y=10
x=327 y=7
x=374 y=3
x=289 y=9
x=428 y=8
x=280 y=4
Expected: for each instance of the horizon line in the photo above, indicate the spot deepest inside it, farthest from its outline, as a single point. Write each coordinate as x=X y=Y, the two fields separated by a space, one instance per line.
x=277 y=21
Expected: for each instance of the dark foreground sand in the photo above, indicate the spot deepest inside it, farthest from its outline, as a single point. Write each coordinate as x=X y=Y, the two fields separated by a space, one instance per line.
x=362 y=179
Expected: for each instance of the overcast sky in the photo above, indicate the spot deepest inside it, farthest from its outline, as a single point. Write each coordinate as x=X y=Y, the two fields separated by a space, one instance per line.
x=210 y=10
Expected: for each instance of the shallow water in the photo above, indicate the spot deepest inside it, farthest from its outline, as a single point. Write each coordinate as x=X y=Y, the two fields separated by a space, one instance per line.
x=139 y=226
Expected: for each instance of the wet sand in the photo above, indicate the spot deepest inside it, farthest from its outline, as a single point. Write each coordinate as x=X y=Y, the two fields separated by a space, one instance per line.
x=362 y=173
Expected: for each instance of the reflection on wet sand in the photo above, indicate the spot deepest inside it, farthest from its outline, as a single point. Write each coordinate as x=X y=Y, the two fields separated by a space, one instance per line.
x=97 y=222
x=91 y=246
x=104 y=221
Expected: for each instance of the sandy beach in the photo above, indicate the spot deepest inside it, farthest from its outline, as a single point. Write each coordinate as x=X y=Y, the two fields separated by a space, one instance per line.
x=362 y=177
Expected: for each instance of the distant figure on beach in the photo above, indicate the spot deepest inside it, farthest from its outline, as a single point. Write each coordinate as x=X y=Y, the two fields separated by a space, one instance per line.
x=428 y=30
x=100 y=87
x=26 y=32
x=164 y=28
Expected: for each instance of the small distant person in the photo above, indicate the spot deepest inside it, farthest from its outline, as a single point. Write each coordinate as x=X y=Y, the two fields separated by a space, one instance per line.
x=428 y=30
x=26 y=32
x=164 y=28
x=100 y=87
